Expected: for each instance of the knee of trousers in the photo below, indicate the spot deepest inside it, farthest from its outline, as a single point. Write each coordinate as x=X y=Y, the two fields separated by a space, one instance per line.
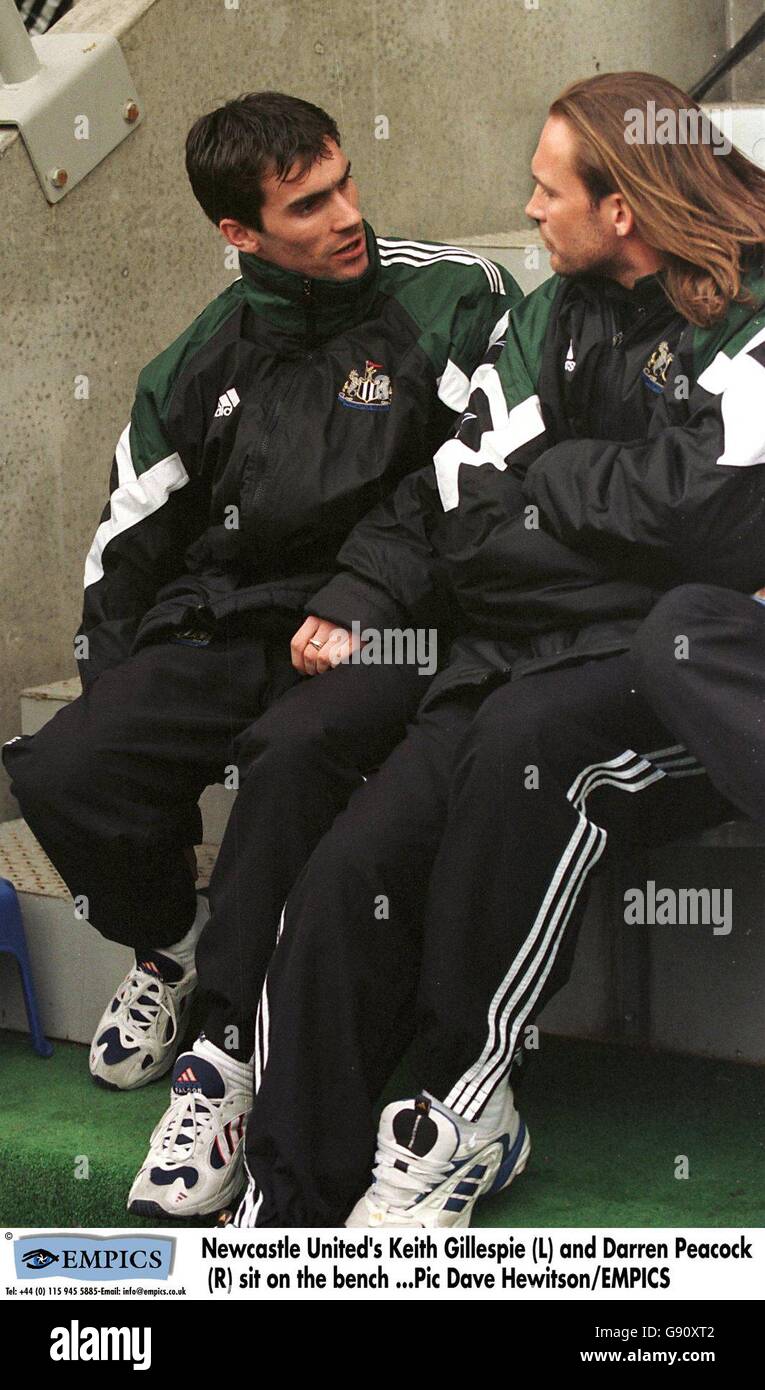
x=47 y=772
x=511 y=729
x=657 y=649
x=353 y=887
x=282 y=751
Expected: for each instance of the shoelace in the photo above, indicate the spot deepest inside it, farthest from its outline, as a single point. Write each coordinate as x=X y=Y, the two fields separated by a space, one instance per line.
x=397 y=1188
x=172 y=1142
x=140 y=982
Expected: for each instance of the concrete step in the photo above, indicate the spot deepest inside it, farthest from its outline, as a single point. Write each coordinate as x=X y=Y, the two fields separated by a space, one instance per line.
x=76 y=971
x=39 y=703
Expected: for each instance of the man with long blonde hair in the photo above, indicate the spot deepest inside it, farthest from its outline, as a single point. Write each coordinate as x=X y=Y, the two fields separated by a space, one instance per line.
x=694 y=200
x=613 y=448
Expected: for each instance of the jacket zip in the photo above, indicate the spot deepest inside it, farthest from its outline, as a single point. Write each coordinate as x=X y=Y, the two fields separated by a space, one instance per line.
x=270 y=423
x=273 y=417
x=270 y=426
x=308 y=305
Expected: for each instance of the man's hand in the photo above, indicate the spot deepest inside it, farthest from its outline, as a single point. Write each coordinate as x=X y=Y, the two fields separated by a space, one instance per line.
x=319 y=645
x=760 y=593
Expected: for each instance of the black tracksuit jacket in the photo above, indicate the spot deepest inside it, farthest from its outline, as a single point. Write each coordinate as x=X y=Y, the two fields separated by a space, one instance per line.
x=263 y=434
x=609 y=451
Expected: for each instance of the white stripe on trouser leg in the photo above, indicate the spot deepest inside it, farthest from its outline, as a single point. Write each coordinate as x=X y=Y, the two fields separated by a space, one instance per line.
x=548 y=905
x=666 y=759
x=247 y=1211
x=571 y=893
x=263 y=1018
x=468 y=1094
x=676 y=761
x=261 y=1037
x=250 y=1204
x=665 y=752
x=680 y=766
x=628 y=778
x=621 y=761
x=588 y=858
x=472 y=1089
x=494 y=1041
x=629 y=756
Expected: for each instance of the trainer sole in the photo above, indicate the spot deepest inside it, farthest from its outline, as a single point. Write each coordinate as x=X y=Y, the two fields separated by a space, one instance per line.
x=142 y=1206
x=137 y=1085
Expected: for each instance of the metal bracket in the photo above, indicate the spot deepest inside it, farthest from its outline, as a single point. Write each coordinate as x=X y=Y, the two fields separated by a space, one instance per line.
x=74 y=110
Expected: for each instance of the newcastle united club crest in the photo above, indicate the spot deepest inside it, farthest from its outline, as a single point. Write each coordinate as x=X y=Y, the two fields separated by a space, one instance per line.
x=657 y=366
x=372 y=391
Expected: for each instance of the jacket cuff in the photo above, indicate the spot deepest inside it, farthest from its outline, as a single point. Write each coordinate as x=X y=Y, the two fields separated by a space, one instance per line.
x=347 y=599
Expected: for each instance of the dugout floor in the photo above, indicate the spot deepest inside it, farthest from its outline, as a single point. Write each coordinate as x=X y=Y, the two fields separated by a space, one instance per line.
x=609 y=1127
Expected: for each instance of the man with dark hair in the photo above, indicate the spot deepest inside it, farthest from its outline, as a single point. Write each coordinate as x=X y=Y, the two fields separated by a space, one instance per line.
x=612 y=448
x=295 y=401
x=232 y=151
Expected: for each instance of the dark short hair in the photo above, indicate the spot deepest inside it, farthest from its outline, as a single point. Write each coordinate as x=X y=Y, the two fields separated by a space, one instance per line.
x=231 y=149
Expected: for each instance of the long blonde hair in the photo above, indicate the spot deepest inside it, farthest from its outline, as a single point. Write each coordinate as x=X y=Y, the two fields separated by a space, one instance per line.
x=701 y=207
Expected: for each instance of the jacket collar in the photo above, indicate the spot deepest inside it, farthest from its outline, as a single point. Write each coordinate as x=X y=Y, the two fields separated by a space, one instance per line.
x=312 y=309
x=645 y=292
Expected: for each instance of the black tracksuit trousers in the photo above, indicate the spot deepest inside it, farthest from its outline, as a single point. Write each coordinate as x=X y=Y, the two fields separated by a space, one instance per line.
x=441 y=911
x=110 y=788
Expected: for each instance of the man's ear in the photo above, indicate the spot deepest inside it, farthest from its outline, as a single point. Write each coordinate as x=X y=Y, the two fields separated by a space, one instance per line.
x=243 y=238
x=622 y=216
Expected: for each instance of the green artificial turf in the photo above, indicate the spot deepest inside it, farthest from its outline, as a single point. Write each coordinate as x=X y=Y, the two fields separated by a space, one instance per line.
x=608 y=1125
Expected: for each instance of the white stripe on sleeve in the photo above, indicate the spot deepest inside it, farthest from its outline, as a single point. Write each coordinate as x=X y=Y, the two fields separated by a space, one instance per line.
x=740 y=382
x=523 y=423
x=135 y=498
x=454 y=387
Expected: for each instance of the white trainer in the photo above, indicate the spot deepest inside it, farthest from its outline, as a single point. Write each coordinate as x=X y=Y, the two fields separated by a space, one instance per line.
x=138 y=1035
x=194 y=1163
x=140 y=1030
x=431 y=1170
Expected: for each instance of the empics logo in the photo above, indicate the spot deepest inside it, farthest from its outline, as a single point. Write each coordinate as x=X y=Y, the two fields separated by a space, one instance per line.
x=93 y=1258
x=75 y=1343
x=39 y=1259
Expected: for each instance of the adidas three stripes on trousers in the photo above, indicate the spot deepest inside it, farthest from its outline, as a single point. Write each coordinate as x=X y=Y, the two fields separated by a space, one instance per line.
x=440 y=913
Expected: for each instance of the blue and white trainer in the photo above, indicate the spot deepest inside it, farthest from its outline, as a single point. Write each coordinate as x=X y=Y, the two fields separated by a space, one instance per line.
x=431 y=1166
x=194 y=1163
x=139 y=1031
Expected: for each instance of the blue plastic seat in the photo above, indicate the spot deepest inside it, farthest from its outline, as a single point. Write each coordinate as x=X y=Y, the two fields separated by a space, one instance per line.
x=13 y=940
